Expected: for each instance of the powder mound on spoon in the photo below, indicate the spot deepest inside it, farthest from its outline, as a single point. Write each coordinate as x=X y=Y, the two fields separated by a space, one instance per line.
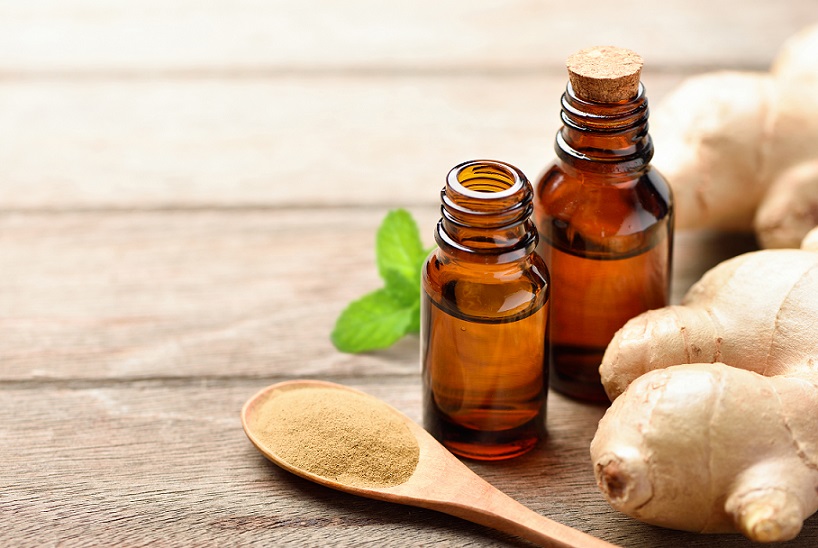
x=342 y=436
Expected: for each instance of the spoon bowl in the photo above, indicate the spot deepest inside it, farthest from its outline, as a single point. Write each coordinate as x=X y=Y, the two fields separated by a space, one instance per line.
x=439 y=482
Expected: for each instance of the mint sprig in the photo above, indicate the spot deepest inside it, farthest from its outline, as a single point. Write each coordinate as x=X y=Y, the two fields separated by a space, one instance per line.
x=382 y=317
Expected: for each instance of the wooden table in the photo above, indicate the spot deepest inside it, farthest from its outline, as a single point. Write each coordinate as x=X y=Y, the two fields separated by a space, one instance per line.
x=189 y=193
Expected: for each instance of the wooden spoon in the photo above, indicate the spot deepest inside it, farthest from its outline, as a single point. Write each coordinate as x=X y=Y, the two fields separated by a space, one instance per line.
x=440 y=481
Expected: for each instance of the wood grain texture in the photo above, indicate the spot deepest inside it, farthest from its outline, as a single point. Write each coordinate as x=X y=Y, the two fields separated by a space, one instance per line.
x=168 y=294
x=146 y=462
x=189 y=193
x=293 y=141
x=141 y=105
x=210 y=293
x=230 y=37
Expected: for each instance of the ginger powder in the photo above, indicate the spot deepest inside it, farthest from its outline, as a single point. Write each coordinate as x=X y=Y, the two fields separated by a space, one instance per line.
x=342 y=436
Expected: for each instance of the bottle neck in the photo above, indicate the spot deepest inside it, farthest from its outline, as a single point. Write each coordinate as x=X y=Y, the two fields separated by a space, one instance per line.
x=486 y=213
x=604 y=138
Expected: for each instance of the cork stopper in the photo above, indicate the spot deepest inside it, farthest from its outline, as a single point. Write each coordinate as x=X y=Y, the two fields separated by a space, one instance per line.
x=605 y=74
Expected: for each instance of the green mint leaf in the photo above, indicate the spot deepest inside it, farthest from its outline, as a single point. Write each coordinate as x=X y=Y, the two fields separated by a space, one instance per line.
x=380 y=318
x=398 y=247
x=406 y=292
x=376 y=320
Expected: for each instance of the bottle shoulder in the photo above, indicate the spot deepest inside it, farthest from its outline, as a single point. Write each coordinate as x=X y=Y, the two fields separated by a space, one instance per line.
x=558 y=176
x=486 y=290
x=440 y=268
x=563 y=191
x=576 y=210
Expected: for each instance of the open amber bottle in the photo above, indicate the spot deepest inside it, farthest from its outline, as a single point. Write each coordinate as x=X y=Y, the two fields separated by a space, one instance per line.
x=484 y=314
x=605 y=217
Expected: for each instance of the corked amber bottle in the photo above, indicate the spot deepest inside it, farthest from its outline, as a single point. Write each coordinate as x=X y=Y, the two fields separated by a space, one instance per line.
x=605 y=217
x=484 y=313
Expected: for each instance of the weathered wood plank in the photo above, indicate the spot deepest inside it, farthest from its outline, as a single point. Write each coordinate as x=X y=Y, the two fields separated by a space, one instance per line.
x=259 y=144
x=209 y=293
x=296 y=141
x=235 y=37
x=184 y=294
x=135 y=464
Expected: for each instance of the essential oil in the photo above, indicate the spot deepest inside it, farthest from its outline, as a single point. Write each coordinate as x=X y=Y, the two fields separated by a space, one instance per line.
x=605 y=218
x=484 y=315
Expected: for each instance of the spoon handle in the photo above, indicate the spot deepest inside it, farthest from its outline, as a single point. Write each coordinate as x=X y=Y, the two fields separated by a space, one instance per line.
x=449 y=486
x=488 y=506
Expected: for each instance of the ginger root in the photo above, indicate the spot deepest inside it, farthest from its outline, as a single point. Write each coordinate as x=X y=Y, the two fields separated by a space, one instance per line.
x=730 y=142
x=810 y=242
x=790 y=209
x=713 y=424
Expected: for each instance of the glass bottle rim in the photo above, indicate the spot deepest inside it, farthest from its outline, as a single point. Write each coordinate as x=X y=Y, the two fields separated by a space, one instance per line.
x=514 y=175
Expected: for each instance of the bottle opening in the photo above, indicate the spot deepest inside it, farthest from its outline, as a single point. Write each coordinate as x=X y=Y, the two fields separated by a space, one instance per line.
x=486 y=211
x=476 y=179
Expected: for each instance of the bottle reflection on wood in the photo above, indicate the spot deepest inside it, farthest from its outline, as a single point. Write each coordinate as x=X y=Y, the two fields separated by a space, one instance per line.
x=605 y=218
x=483 y=317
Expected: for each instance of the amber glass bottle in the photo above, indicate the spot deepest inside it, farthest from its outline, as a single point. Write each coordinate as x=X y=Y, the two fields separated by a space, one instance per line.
x=484 y=313
x=605 y=218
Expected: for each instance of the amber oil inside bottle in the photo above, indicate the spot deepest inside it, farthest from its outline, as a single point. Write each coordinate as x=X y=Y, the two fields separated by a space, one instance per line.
x=483 y=317
x=606 y=229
